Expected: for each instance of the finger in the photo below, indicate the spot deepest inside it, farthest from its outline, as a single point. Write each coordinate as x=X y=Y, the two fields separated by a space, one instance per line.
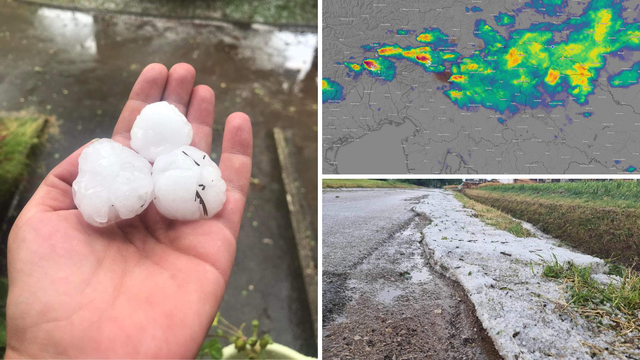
x=147 y=89
x=179 y=86
x=235 y=165
x=200 y=115
x=67 y=170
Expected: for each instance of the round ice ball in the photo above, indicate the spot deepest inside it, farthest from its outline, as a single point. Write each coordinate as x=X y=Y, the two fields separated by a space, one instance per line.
x=113 y=183
x=159 y=129
x=188 y=185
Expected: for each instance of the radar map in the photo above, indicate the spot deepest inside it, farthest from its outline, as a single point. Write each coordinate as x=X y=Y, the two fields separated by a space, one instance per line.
x=487 y=87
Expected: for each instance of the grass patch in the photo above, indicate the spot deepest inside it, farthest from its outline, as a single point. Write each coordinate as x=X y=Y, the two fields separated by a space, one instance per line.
x=19 y=132
x=495 y=218
x=623 y=194
x=615 y=304
x=364 y=183
x=605 y=232
x=451 y=187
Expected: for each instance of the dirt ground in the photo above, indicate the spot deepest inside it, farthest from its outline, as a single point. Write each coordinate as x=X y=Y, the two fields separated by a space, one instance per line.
x=392 y=305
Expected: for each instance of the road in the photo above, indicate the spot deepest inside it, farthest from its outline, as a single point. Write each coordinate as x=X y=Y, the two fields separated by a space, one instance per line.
x=381 y=300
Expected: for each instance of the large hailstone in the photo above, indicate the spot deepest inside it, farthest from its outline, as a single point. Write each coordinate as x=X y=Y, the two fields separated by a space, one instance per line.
x=113 y=183
x=188 y=185
x=160 y=129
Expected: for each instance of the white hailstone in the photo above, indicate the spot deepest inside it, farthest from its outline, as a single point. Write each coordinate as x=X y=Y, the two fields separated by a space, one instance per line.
x=113 y=183
x=188 y=185
x=159 y=129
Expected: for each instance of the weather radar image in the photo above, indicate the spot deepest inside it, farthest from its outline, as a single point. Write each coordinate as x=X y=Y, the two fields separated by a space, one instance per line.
x=481 y=87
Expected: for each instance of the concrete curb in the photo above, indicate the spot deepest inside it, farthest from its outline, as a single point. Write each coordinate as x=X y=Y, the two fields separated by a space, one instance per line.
x=302 y=229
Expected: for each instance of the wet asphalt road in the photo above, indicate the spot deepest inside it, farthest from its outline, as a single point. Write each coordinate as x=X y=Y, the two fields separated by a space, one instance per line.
x=355 y=221
x=381 y=299
x=80 y=68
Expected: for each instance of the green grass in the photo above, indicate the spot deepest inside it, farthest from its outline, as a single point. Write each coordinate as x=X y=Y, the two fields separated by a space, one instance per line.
x=608 y=194
x=595 y=299
x=495 y=218
x=18 y=134
x=364 y=183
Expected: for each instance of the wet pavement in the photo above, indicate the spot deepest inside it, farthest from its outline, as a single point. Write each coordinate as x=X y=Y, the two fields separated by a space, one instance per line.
x=349 y=216
x=387 y=302
x=80 y=67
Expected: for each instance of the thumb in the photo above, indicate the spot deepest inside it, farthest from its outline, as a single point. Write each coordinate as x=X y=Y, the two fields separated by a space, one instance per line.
x=54 y=193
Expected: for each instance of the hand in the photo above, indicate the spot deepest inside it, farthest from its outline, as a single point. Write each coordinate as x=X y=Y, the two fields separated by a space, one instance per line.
x=144 y=287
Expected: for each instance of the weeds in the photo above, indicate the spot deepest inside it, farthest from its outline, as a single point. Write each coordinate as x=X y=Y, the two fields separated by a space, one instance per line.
x=618 y=301
x=615 y=269
x=495 y=218
x=249 y=347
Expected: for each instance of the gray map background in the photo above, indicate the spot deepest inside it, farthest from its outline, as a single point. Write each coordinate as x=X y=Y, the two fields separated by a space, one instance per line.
x=440 y=130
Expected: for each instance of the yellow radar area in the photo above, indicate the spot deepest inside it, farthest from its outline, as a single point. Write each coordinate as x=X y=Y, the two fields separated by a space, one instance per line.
x=552 y=77
x=514 y=57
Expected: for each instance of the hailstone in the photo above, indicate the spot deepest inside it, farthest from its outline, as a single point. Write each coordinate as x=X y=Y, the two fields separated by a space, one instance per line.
x=113 y=183
x=160 y=129
x=187 y=185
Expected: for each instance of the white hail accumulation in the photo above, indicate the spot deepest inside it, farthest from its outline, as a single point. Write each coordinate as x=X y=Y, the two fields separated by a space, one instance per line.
x=115 y=182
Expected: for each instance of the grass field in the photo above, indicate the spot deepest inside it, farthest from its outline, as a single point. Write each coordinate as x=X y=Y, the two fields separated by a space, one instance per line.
x=613 y=194
x=19 y=132
x=364 y=183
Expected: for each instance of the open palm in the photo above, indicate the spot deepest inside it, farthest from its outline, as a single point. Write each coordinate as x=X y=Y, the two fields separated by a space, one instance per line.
x=144 y=287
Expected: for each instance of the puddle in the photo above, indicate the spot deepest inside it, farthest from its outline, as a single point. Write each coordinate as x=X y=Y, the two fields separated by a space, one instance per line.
x=421 y=275
x=386 y=296
x=69 y=30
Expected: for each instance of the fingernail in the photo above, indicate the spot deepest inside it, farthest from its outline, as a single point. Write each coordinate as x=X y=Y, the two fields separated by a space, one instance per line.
x=94 y=140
